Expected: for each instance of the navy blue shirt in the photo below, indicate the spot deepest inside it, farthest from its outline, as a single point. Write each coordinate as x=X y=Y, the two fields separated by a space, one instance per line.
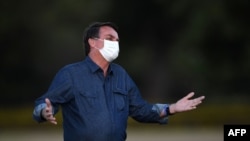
x=94 y=107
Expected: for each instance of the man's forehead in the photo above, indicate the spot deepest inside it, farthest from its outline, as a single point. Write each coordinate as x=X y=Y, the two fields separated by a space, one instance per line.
x=108 y=31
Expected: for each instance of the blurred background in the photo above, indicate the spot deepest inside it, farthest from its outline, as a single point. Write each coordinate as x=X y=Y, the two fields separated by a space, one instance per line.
x=169 y=47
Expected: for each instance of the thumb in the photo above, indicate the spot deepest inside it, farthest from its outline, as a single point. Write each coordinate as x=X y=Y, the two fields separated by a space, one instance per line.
x=48 y=103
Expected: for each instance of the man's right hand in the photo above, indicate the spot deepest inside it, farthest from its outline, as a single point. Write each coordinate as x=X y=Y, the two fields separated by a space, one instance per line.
x=47 y=112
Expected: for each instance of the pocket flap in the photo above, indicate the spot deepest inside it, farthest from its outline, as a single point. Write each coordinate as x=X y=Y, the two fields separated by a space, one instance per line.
x=120 y=91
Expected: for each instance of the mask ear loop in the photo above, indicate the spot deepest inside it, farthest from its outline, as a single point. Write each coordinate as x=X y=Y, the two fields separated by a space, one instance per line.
x=95 y=38
x=98 y=39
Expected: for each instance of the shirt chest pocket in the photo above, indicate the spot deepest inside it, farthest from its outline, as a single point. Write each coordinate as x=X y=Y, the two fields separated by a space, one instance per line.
x=87 y=102
x=121 y=99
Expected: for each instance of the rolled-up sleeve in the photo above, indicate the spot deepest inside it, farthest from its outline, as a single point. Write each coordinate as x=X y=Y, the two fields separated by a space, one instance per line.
x=161 y=110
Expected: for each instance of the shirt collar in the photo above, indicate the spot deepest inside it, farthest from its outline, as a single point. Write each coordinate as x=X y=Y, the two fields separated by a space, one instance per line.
x=94 y=67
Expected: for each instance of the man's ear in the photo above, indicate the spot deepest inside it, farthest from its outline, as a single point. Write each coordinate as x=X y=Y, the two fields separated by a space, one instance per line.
x=91 y=42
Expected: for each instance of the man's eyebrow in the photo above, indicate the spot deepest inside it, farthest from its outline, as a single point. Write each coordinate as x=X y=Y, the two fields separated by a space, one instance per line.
x=111 y=36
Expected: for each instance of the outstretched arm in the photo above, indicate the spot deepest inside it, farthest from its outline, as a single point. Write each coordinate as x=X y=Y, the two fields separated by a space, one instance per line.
x=185 y=104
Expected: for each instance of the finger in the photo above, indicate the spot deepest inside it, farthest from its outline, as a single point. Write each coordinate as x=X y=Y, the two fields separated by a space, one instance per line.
x=49 y=115
x=48 y=103
x=190 y=108
x=52 y=120
x=191 y=94
x=199 y=98
x=197 y=103
x=202 y=97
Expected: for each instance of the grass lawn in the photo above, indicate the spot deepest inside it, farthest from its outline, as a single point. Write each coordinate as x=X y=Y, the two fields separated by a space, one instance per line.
x=138 y=134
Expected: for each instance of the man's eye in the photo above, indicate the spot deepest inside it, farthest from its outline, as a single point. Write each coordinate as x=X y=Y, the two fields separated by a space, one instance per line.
x=113 y=39
x=109 y=39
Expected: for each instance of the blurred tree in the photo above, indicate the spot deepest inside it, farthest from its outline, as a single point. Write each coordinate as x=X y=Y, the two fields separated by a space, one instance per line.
x=169 y=47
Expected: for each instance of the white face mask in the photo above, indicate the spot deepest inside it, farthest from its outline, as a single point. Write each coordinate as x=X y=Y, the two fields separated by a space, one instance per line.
x=110 y=50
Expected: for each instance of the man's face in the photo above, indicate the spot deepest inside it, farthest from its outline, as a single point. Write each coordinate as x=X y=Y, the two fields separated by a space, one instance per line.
x=105 y=33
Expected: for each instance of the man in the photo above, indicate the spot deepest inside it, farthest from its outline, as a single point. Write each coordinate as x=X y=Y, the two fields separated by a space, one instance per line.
x=97 y=96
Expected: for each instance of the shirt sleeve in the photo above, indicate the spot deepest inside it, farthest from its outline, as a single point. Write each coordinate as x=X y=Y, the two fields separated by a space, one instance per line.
x=143 y=111
x=58 y=93
x=161 y=109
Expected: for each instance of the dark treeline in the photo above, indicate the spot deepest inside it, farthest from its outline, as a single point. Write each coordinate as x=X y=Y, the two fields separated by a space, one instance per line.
x=169 y=47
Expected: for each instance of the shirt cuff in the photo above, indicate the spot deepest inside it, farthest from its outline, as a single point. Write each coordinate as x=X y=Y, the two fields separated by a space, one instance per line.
x=37 y=112
x=161 y=110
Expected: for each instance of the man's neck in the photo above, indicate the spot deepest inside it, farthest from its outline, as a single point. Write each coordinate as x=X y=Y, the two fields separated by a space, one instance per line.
x=100 y=61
